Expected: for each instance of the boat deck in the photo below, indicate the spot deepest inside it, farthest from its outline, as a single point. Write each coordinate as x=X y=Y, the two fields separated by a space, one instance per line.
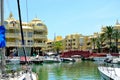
x=110 y=72
x=21 y=76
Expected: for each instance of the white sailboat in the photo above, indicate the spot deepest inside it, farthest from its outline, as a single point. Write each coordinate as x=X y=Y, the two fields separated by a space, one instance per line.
x=26 y=73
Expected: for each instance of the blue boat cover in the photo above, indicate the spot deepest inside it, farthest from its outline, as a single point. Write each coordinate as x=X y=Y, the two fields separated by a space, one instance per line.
x=2 y=37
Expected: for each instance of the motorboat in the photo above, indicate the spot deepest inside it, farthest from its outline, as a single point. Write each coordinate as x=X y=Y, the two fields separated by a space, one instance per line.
x=37 y=59
x=51 y=59
x=102 y=58
x=109 y=73
x=116 y=60
x=67 y=59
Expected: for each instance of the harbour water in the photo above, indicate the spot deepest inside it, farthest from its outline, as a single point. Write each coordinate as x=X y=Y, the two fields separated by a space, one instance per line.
x=84 y=70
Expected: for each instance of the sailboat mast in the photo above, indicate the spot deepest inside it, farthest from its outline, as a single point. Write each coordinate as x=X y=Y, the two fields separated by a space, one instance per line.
x=2 y=50
x=2 y=12
x=23 y=44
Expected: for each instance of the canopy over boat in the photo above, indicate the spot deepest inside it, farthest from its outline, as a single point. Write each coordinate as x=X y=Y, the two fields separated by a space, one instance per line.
x=50 y=53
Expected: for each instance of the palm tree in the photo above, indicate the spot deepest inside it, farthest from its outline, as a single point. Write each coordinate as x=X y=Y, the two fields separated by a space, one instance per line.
x=98 y=44
x=100 y=40
x=93 y=41
x=109 y=33
x=116 y=36
x=58 y=46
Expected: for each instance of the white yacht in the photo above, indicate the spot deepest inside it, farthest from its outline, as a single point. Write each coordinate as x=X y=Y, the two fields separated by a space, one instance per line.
x=109 y=73
x=116 y=60
x=108 y=56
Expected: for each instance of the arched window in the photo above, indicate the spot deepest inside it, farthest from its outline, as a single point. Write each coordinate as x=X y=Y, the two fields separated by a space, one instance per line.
x=13 y=23
x=39 y=24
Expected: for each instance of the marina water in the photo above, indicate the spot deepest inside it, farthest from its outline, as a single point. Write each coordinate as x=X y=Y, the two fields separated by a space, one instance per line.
x=82 y=70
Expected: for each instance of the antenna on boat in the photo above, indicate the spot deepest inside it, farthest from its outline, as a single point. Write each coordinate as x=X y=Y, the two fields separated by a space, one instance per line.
x=23 y=43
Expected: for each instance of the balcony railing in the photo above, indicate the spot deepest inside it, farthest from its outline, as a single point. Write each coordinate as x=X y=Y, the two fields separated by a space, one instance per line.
x=40 y=36
x=12 y=44
x=12 y=35
x=40 y=44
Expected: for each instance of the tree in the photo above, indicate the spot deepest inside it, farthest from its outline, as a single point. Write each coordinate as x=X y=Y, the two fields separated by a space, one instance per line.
x=98 y=44
x=58 y=46
x=93 y=41
x=100 y=40
x=116 y=36
x=109 y=33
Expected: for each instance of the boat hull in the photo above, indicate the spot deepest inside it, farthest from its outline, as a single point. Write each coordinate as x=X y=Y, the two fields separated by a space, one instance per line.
x=37 y=62
x=105 y=77
x=67 y=60
x=109 y=73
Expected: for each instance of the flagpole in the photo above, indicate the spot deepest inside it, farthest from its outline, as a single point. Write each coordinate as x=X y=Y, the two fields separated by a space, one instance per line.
x=2 y=50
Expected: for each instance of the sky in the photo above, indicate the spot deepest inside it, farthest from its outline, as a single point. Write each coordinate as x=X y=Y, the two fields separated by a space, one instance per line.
x=64 y=17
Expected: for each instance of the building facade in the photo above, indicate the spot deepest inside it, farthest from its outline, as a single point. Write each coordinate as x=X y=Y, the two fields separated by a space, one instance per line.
x=85 y=43
x=117 y=26
x=76 y=42
x=70 y=42
x=35 y=36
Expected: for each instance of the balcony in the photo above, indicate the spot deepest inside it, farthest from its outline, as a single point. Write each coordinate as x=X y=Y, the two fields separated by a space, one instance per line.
x=39 y=44
x=40 y=36
x=11 y=35
x=12 y=44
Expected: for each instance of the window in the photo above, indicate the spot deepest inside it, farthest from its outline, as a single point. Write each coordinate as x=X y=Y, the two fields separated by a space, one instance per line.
x=74 y=47
x=69 y=44
x=30 y=34
x=39 y=24
x=73 y=39
x=12 y=23
x=24 y=33
x=81 y=40
x=39 y=41
x=69 y=40
x=41 y=33
x=30 y=42
x=73 y=43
